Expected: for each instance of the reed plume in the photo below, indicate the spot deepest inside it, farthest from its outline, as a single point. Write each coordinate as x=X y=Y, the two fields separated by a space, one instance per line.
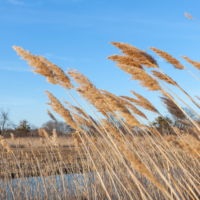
x=40 y=65
x=142 y=102
x=54 y=138
x=12 y=136
x=125 y=103
x=132 y=108
x=188 y=15
x=41 y=141
x=168 y=58
x=112 y=129
x=124 y=112
x=90 y=92
x=76 y=109
x=198 y=97
x=139 y=74
x=125 y=60
x=163 y=77
x=6 y=146
x=51 y=115
x=27 y=156
x=140 y=57
x=61 y=110
x=125 y=162
x=140 y=167
x=173 y=108
x=152 y=130
x=194 y=63
x=82 y=121
x=40 y=132
x=46 y=134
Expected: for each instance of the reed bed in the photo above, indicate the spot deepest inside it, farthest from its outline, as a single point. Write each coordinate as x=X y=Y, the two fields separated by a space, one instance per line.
x=114 y=154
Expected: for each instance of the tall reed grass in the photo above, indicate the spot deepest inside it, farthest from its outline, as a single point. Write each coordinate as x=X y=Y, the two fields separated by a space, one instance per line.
x=117 y=155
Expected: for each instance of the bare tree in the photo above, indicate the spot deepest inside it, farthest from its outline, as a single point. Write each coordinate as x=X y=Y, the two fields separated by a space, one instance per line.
x=60 y=126
x=4 y=120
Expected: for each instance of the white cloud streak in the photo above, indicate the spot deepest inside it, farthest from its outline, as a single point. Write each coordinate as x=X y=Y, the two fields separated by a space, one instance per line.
x=49 y=56
x=17 y=69
x=22 y=3
x=13 y=66
x=16 y=2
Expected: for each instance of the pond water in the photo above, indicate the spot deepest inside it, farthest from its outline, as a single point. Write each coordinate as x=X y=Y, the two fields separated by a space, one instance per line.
x=66 y=186
x=38 y=187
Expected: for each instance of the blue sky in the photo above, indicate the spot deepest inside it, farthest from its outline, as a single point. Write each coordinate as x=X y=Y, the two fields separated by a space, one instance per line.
x=76 y=34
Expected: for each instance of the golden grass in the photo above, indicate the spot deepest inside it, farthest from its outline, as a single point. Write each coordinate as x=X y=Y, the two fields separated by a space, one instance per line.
x=119 y=157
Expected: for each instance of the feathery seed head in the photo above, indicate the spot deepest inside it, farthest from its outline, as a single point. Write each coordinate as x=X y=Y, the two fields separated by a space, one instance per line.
x=168 y=58
x=54 y=74
x=61 y=110
x=188 y=15
x=125 y=60
x=51 y=115
x=12 y=136
x=6 y=146
x=143 y=102
x=139 y=57
x=194 y=63
x=46 y=135
x=90 y=92
x=124 y=112
x=163 y=77
x=132 y=108
x=27 y=156
x=40 y=132
x=54 y=138
x=41 y=141
x=173 y=108
x=142 y=76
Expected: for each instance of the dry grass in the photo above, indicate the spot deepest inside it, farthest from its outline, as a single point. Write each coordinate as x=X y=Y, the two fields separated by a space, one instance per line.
x=35 y=142
x=115 y=158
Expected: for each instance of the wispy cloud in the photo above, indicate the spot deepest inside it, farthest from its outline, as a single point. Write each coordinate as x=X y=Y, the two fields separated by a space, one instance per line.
x=15 y=69
x=13 y=66
x=63 y=58
x=16 y=2
x=64 y=1
x=76 y=0
x=49 y=56
x=22 y=3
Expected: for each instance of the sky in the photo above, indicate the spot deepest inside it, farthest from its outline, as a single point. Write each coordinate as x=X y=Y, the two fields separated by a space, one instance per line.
x=76 y=34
